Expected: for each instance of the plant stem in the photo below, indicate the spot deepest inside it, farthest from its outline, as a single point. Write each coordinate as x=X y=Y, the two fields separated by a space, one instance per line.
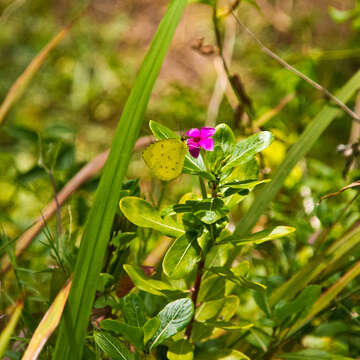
x=202 y=188
x=194 y=294
x=194 y=291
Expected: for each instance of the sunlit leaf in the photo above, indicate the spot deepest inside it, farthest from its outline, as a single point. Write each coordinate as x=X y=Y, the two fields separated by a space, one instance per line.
x=141 y=213
x=173 y=318
x=261 y=236
x=112 y=346
x=182 y=257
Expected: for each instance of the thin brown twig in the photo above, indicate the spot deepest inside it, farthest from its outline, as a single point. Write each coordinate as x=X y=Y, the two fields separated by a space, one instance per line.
x=281 y=61
x=84 y=174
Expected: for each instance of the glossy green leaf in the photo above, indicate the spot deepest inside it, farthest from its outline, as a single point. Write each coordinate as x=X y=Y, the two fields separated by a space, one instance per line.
x=99 y=223
x=308 y=138
x=212 y=288
x=112 y=346
x=224 y=141
x=209 y=309
x=173 y=318
x=224 y=137
x=150 y=328
x=131 y=333
x=182 y=257
x=246 y=149
x=244 y=184
x=218 y=255
x=161 y=132
x=141 y=213
x=237 y=278
x=229 y=326
x=180 y=350
x=144 y=283
x=133 y=310
x=261 y=236
x=224 y=308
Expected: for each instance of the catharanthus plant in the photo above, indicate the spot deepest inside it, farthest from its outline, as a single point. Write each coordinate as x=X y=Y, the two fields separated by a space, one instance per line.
x=199 y=281
x=200 y=139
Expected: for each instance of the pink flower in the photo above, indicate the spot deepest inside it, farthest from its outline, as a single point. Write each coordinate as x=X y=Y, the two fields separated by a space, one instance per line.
x=200 y=139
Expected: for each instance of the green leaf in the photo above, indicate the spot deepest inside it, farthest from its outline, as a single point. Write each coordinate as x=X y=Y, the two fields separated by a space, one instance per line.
x=238 y=279
x=246 y=149
x=308 y=138
x=173 y=318
x=340 y=16
x=155 y=287
x=100 y=220
x=224 y=308
x=300 y=305
x=150 y=328
x=218 y=255
x=133 y=310
x=112 y=346
x=131 y=333
x=180 y=350
x=244 y=184
x=239 y=326
x=212 y=288
x=261 y=236
x=225 y=138
x=209 y=309
x=161 y=132
x=223 y=355
x=182 y=257
x=224 y=141
x=103 y=281
x=141 y=213
x=312 y=354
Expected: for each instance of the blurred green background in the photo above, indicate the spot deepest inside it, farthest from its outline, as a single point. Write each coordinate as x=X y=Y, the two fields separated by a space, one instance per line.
x=69 y=111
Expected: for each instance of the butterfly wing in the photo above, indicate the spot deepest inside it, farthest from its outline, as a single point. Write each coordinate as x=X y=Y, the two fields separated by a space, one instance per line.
x=166 y=158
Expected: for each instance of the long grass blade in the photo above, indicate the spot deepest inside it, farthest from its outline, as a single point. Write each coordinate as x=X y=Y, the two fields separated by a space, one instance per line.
x=328 y=296
x=47 y=324
x=23 y=80
x=308 y=138
x=97 y=231
x=10 y=327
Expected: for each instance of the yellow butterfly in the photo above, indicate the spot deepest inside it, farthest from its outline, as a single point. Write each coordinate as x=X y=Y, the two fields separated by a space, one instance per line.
x=165 y=158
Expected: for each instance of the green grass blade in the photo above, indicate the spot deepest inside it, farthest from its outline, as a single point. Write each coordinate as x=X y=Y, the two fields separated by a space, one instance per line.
x=7 y=332
x=97 y=231
x=297 y=151
x=326 y=298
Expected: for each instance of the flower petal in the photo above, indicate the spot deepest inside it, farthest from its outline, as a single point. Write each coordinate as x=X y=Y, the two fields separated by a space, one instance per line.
x=193 y=132
x=192 y=143
x=194 y=151
x=207 y=132
x=207 y=144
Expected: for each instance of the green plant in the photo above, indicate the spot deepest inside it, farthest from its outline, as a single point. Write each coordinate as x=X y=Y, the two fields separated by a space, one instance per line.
x=198 y=257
